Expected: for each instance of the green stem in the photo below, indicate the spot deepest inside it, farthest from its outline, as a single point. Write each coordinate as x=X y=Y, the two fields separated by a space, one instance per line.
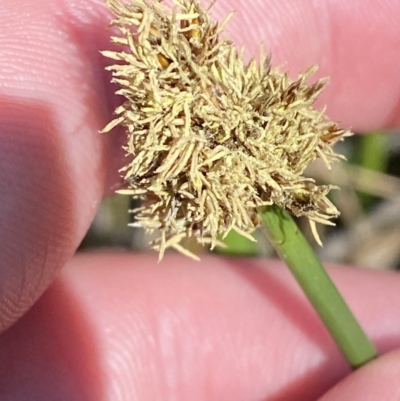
x=373 y=151
x=373 y=154
x=294 y=249
x=237 y=245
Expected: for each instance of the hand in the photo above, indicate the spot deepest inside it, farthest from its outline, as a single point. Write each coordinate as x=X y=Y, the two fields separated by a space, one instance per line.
x=122 y=327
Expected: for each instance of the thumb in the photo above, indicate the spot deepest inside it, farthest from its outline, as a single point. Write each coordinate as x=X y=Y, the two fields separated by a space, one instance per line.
x=377 y=381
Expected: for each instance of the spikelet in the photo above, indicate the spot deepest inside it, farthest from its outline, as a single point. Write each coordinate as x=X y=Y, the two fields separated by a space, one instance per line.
x=209 y=138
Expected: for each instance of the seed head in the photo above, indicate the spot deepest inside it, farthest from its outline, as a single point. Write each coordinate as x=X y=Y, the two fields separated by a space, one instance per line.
x=211 y=139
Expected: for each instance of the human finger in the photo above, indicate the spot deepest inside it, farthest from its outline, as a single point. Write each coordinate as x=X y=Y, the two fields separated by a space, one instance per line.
x=54 y=164
x=377 y=381
x=123 y=327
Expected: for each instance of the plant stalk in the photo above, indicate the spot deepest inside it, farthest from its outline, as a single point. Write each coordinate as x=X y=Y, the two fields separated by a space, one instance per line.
x=297 y=253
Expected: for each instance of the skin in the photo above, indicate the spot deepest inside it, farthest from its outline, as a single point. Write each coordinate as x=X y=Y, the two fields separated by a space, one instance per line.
x=116 y=326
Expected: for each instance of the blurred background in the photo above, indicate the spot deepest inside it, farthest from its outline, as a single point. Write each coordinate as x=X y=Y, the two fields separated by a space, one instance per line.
x=367 y=233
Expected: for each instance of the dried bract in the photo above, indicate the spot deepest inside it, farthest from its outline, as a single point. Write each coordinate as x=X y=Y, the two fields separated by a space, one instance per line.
x=211 y=139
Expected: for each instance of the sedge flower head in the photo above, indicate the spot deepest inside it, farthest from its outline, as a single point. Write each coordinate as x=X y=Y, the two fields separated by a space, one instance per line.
x=211 y=139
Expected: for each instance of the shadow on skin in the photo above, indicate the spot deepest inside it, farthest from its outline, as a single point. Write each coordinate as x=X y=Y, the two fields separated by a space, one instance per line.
x=50 y=353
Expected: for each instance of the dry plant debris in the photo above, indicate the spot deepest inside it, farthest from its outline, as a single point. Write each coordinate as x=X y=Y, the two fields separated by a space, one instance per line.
x=211 y=139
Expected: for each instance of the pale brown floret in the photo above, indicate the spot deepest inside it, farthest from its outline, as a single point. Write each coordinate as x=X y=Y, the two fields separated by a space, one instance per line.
x=211 y=139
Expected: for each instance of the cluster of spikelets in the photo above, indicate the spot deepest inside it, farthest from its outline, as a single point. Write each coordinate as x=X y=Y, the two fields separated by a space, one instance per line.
x=211 y=139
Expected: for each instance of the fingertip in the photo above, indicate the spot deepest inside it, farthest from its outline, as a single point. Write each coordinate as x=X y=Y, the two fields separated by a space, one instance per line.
x=55 y=166
x=121 y=325
x=246 y=321
x=38 y=223
x=164 y=327
x=376 y=381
